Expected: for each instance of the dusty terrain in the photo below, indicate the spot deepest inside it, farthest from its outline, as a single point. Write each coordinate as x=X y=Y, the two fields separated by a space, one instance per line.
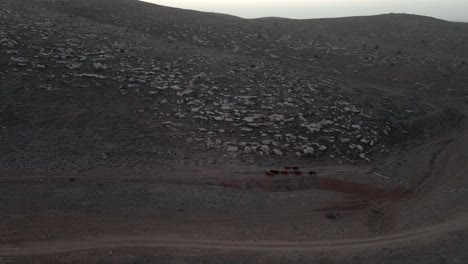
x=136 y=133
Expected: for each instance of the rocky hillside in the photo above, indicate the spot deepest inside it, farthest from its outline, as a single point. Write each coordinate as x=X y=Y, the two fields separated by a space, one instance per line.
x=101 y=83
x=415 y=52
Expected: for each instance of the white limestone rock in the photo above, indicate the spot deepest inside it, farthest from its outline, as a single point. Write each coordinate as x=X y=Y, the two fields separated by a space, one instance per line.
x=232 y=149
x=278 y=152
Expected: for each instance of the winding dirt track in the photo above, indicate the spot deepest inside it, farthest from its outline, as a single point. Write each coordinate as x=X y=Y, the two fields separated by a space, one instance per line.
x=422 y=234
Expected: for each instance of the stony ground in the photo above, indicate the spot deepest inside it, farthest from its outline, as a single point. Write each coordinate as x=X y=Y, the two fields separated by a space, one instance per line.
x=84 y=89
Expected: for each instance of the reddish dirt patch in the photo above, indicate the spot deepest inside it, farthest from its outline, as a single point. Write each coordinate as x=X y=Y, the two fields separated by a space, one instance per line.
x=296 y=182
x=361 y=189
x=276 y=181
x=278 y=184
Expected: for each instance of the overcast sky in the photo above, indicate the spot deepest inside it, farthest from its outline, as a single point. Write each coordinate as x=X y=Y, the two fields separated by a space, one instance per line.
x=454 y=10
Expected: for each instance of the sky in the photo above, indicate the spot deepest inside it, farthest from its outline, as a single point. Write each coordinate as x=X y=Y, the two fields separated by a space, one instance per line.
x=453 y=10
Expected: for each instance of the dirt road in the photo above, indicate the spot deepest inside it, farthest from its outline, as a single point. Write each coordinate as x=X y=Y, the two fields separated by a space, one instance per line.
x=420 y=235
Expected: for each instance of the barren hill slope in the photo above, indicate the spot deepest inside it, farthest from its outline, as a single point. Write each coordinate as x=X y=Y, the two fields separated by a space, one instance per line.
x=137 y=133
x=396 y=49
x=123 y=83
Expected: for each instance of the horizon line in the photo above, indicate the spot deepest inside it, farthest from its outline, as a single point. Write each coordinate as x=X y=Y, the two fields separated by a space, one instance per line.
x=302 y=18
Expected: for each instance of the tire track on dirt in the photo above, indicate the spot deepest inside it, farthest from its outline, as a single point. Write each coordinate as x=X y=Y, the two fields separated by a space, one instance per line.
x=423 y=234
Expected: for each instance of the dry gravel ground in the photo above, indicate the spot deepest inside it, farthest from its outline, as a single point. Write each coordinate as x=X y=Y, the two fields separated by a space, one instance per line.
x=136 y=133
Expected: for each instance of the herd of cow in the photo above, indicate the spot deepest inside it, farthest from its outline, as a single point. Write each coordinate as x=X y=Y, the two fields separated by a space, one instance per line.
x=287 y=171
